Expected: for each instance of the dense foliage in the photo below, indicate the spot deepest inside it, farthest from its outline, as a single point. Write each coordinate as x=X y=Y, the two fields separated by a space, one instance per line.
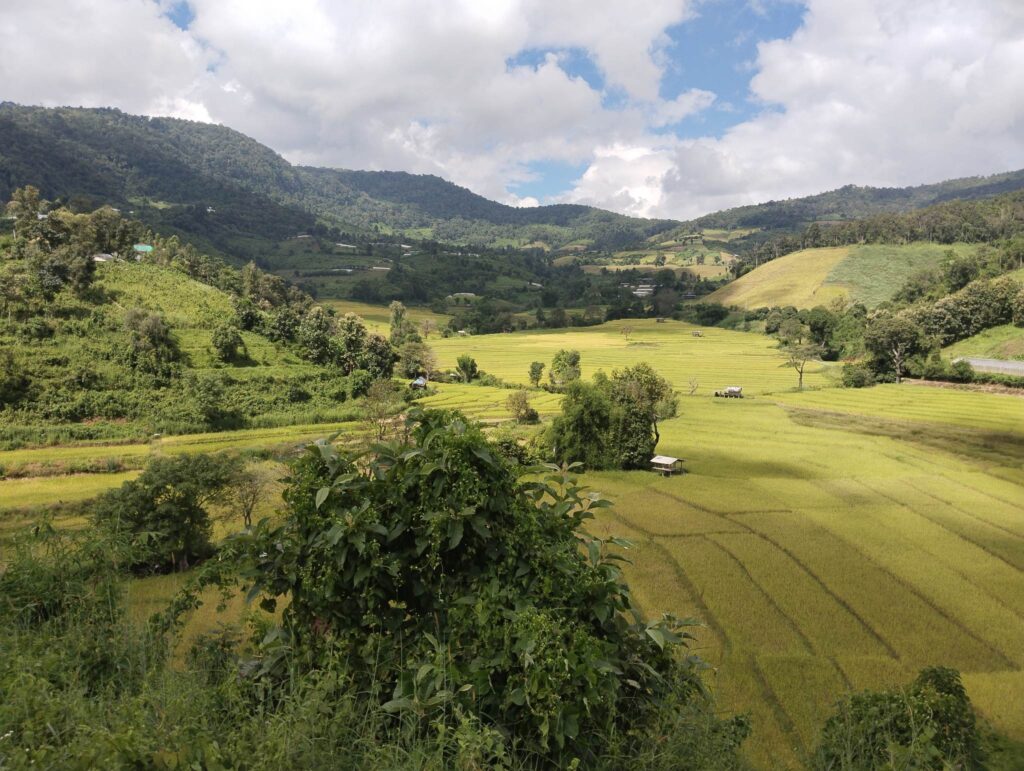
x=612 y=422
x=929 y=724
x=447 y=586
x=164 y=512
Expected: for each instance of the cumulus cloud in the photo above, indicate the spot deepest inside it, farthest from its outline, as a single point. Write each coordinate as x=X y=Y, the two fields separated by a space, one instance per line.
x=865 y=91
x=877 y=92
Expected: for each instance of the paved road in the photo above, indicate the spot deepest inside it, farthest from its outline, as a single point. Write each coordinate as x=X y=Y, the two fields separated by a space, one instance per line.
x=997 y=365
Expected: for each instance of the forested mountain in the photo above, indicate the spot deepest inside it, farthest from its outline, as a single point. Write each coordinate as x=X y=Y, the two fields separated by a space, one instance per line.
x=216 y=185
x=852 y=203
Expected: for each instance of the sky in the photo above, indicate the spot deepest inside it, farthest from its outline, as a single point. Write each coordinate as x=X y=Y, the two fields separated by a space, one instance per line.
x=665 y=108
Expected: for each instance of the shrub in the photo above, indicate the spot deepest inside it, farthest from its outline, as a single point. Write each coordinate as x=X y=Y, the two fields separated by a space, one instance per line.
x=856 y=375
x=163 y=511
x=928 y=724
x=466 y=367
x=359 y=382
x=518 y=403
x=445 y=587
x=962 y=371
x=227 y=343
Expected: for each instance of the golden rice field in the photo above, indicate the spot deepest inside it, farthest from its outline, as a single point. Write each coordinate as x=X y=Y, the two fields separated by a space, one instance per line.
x=824 y=559
x=717 y=359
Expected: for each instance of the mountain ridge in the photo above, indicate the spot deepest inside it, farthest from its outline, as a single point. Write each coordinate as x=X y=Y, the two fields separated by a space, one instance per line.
x=227 y=191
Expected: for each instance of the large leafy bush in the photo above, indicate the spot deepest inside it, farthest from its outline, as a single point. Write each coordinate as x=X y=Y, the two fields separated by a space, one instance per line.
x=451 y=587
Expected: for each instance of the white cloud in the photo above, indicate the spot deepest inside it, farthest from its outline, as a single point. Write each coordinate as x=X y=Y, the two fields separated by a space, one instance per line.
x=866 y=91
x=876 y=92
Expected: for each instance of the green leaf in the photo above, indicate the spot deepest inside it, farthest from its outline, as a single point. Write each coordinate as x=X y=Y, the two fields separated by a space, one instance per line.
x=455 y=530
x=398 y=705
x=321 y=495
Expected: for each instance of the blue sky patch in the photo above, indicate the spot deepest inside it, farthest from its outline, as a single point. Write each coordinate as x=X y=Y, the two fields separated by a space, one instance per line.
x=716 y=51
x=181 y=14
x=552 y=178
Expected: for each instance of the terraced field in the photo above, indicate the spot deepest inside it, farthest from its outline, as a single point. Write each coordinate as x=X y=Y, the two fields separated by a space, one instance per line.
x=378 y=318
x=868 y=273
x=827 y=559
x=719 y=358
x=1002 y=342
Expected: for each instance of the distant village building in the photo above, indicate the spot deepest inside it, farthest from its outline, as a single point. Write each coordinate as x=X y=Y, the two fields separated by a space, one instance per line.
x=103 y=257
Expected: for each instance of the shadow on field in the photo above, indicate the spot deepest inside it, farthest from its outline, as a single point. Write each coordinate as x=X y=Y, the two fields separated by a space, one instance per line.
x=989 y=447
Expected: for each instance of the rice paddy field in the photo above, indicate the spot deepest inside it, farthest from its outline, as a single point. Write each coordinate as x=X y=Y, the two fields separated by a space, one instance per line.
x=377 y=317
x=827 y=540
x=866 y=273
x=716 y=359
x=823 y=559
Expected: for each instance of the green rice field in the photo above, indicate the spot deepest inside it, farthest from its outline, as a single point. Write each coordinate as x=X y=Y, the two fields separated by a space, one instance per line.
x=718 y=358
x=827 y=559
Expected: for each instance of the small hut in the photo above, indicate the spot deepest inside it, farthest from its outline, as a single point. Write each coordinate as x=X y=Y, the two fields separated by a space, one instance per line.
x=666 y=465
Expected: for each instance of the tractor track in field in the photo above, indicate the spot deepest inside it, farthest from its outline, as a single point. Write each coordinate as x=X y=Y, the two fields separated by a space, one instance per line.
x=688 y=585
x=872 y=632
x=808 y=644
x=946 y=528
x=913 y=590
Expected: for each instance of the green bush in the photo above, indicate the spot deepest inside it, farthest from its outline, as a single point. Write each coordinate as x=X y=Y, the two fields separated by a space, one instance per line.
x=857 y=375
x=928 y=724
x=163 y=511
x=448 y=588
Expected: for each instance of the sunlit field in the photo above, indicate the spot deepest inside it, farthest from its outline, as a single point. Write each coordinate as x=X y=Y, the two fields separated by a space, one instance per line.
x=823 y=559
x=378 y=318
x=827 y=539
x=716 y=359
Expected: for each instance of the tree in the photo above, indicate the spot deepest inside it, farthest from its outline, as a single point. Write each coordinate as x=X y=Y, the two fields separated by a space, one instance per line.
x=379 y=406
x=415 y=359
x=315 y=336
x=565 y=367
x=626 y=331
x=581 y=433
x=227 y=342
x=378 y=357
x=465 y=365
x=792 y=331
x=427 y=328
x=164 y=510
x=246 y=491
x=892 y=340
x=152 y=348
x=403 y=330
x=641 y=386
x=518 y=403
x=351 y=338
x=797 y=355
x=536 y=371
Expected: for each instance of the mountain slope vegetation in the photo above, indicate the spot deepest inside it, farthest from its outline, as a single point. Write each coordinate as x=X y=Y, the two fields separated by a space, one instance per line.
x=216 y=184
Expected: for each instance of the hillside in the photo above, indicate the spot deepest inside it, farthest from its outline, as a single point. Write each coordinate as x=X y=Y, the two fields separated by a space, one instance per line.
x=868 y=274
x=1002 y=342
x=852 y=202
x=224 y=190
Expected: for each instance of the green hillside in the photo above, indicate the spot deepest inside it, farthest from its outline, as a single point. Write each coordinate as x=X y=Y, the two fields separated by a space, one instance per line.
x=870 y=274
x=1002 y=342
x=228 y=192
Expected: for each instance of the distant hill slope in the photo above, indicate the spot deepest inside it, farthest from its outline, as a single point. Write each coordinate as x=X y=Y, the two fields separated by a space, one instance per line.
x=218 y=186
x=852 y=202
x=1003 y=342
x=869 y=274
